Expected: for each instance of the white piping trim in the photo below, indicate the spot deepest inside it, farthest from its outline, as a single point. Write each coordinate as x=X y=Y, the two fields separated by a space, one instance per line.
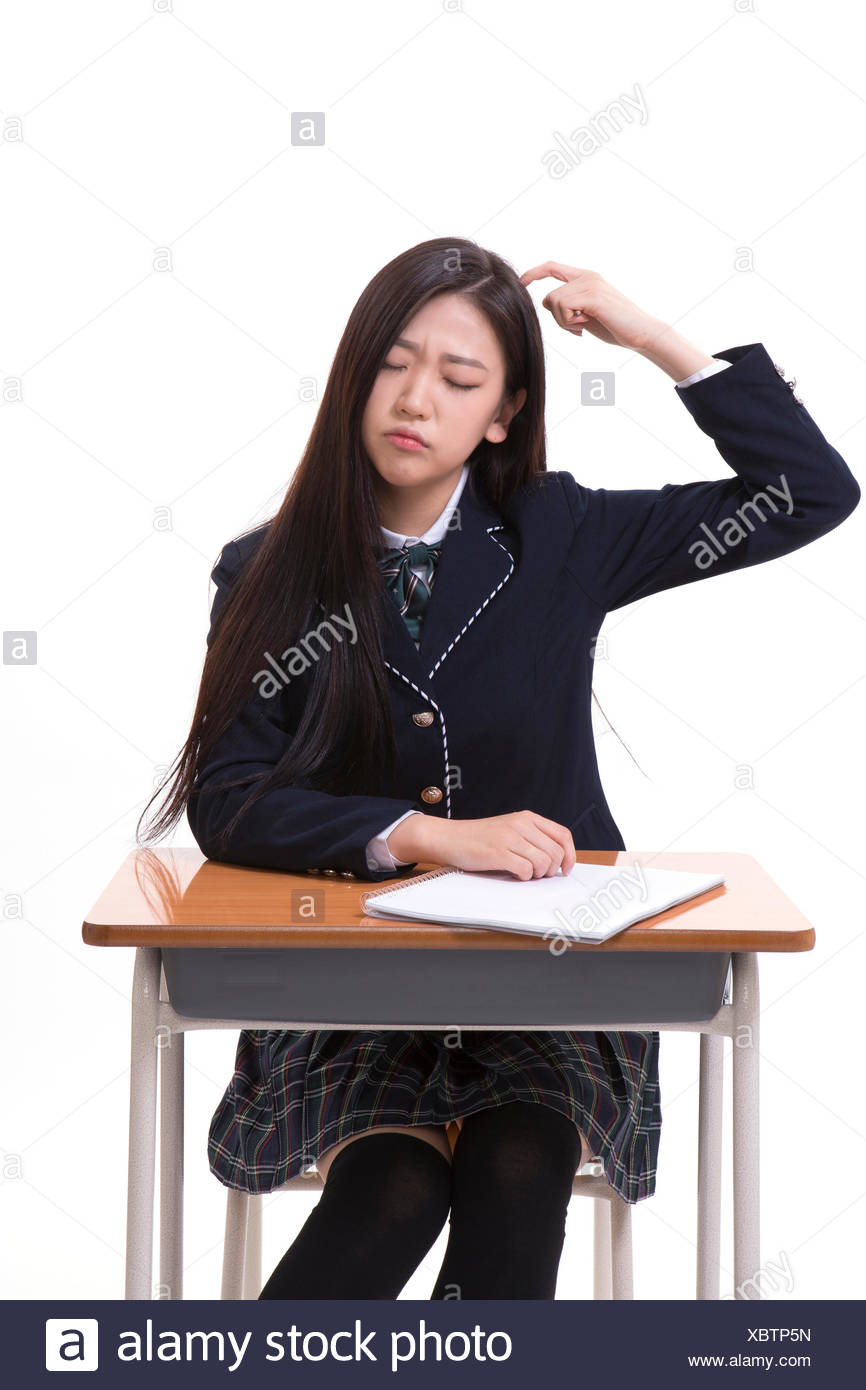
x=502 y=581
x=424 y=695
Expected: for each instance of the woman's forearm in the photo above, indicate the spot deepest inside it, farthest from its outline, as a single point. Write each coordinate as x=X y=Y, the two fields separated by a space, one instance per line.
x=410 y=840
x=585 y=301
x=676 y=355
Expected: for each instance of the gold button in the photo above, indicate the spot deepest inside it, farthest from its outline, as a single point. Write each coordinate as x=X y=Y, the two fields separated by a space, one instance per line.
x=790 y=384
x=346 y=873
x=431 y=794
x=332 y=873
x=424 y=719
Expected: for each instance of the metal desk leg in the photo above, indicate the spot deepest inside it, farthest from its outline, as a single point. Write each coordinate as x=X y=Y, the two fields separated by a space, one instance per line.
x=712 y=1058
x=171 y=1055
x=142 y=1123
x=746 y=1064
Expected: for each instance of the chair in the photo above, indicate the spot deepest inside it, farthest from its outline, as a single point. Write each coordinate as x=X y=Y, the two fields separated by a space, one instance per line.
x=612 y=1250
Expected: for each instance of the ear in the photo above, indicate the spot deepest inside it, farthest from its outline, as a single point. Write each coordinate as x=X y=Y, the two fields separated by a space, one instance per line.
x=497 y=430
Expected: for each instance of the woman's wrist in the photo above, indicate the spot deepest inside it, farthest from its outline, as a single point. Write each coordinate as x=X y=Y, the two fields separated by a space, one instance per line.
x=668 y=349
x=409 y=840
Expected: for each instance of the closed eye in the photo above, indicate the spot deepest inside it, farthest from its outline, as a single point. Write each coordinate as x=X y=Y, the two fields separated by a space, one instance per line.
x=458 y=386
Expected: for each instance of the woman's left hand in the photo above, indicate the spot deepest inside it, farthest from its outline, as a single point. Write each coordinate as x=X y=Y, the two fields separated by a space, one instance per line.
x=586 y=300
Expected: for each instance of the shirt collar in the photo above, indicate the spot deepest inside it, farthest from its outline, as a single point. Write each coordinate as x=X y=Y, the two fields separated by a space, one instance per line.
x=435 y=533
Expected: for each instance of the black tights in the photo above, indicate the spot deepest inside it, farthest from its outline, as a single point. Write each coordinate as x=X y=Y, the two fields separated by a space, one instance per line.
x=387 y=1196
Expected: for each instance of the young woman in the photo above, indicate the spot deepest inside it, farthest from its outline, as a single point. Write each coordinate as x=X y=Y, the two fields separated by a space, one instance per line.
x=399 y=671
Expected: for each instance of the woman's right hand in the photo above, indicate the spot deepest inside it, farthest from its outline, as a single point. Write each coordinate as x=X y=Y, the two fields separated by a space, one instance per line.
x=522 y=843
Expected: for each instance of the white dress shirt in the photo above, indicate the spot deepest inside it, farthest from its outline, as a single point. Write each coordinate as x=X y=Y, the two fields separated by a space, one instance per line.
x=378 y=854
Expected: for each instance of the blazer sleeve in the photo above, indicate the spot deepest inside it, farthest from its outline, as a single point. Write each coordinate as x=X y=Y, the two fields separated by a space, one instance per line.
x=791 y=487
x=291 y=827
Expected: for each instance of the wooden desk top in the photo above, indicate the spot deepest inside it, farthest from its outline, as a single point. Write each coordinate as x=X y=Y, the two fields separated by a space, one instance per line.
x=176 y=897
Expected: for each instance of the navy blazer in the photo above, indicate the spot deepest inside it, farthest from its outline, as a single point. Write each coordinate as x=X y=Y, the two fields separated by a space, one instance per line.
x=506 y=654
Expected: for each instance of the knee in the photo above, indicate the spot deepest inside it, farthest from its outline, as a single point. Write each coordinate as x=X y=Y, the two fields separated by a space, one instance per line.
x=525 y=1155
x=535 y=1183
x=404 y=1181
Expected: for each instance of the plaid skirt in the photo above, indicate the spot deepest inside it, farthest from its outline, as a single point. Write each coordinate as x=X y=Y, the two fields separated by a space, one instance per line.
x=294 y=1094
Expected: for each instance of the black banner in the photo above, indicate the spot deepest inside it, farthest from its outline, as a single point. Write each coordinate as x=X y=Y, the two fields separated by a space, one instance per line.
x=420 y=1344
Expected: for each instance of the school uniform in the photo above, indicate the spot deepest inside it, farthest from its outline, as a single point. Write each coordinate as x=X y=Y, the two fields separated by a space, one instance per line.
x=492 y=714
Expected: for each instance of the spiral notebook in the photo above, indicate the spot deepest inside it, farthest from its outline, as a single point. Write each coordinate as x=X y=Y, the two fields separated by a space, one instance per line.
x=589 y=905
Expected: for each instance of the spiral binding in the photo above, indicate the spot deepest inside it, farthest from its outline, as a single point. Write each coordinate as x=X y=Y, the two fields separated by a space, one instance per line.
x=406 y=883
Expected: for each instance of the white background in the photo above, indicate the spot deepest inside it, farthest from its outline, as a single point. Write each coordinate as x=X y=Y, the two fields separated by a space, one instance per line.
x=173 y=268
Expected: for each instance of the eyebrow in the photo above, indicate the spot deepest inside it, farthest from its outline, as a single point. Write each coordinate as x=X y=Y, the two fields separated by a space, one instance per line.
x=446 y=356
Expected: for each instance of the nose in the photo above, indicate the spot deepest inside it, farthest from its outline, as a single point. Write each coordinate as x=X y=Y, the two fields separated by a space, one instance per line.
x=413 y=399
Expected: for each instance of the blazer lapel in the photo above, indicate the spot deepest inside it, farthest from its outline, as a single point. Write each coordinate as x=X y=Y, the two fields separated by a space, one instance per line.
x=474 y=565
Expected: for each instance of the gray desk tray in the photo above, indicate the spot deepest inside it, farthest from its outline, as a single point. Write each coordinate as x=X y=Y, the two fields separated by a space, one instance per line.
x=350 y=987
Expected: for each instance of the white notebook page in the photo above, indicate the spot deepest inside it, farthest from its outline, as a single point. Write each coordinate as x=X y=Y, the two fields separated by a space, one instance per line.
x=591 y=903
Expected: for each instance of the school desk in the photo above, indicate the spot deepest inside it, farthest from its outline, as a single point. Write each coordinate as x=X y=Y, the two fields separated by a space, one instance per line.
x=221 y=946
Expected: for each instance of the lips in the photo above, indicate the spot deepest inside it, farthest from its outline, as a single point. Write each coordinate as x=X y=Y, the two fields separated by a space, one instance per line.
x=405 y=434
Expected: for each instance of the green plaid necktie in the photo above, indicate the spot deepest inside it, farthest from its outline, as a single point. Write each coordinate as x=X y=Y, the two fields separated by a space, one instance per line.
x=411 y=593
